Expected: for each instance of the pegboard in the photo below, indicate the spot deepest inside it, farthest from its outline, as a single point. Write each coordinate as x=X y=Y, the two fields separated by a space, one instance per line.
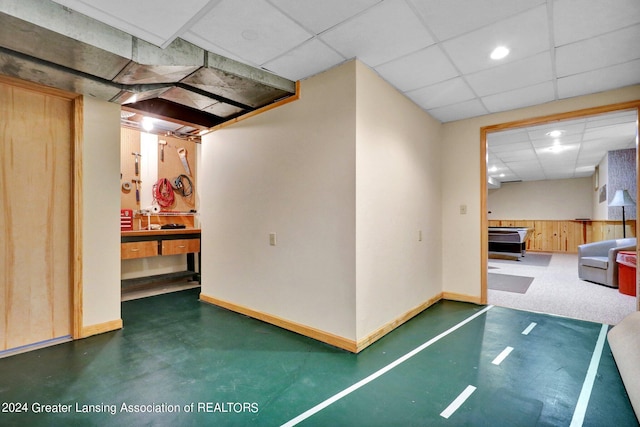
x=172 y=167
x=129 y=143
x=169 y=166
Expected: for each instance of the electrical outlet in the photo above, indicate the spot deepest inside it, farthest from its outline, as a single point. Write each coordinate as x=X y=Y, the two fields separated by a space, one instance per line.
x=272 y=239
x=419 y=235
x=463 y=209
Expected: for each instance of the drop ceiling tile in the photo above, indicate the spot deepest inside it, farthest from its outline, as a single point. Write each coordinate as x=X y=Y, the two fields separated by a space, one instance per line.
x=568 y=128
x=557 y=154
x=588 y=162
x=252 y=29
x=319 y=16
x=305 y=60
x=422 y=68
x=608 y=78
x=522 y=166
x=157 y=22
x=579 y=19
x=463 y=110
x=525 y=176
x=512 y=146
x=468 y=16
x=442 y=94
x=555 y=175
x=519 y=98
x=508 y=148
x=627 y=116
x=547 y=142
x=609 y=49
x=494 y=163
x=515 y=75
x=525 y=35
x=380 y=34
x=524 y=155
x=507 y=137
x=507 y=175
x=200 y=40
x=625 y=131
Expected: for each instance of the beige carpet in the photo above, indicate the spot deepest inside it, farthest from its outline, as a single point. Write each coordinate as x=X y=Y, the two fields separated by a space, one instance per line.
x=557 y=290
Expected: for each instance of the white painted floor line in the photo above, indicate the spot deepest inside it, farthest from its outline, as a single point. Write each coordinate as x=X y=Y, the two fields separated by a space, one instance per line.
x=529 y=328
x=320 y=406
x=587 y=386
x=498 y=360
x=453 y=407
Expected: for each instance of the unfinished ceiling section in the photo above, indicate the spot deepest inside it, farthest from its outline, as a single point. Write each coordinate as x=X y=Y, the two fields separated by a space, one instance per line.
x=46 y=43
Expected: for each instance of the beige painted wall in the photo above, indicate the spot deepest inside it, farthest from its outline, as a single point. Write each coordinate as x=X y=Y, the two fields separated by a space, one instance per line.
x=347 y=182
x=461 y=164
x=558 y=199
x=100 y=210
x=397 y=197
x=289 y=171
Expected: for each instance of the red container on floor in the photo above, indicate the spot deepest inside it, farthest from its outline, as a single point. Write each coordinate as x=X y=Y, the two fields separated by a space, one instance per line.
x=627 y=261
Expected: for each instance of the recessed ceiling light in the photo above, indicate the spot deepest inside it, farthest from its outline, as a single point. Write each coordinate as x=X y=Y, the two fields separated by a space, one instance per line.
x=493 y=169
x=250 y=35
x=499 y=52
x=555 y=133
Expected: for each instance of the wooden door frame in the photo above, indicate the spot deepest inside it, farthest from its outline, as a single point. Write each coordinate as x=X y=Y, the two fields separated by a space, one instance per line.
x=484 y=221
x=77 y=125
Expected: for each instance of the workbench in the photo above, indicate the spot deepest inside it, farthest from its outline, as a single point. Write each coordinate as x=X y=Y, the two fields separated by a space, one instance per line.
x=152 y=243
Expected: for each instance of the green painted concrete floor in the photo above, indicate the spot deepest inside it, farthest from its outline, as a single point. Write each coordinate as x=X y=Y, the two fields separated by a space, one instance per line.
x=181 y=362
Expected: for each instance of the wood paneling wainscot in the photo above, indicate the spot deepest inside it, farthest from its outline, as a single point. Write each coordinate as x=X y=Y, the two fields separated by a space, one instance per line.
x=566 y=235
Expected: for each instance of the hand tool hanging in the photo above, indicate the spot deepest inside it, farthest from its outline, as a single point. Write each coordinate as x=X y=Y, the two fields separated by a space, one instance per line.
x=162 y=143
x=182 y=153
x=137 y=182
x=137 y=155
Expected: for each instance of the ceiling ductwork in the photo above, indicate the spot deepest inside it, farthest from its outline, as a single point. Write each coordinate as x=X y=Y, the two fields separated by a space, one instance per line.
x=46 y=43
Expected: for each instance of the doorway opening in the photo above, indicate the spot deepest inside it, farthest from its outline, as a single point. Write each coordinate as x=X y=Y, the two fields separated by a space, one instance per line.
x=531 y=165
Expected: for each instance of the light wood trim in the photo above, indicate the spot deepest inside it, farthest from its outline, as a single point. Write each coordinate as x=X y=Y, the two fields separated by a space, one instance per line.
x=36 y=87
x=264 y=109
x=484 y=228
x=133 y=250
x=100 y=328
x=382 y=331
x=484 y=252
x=451 y=296
x=326 y=337
x=77 y=297
x=593 y=111
x=180 y=246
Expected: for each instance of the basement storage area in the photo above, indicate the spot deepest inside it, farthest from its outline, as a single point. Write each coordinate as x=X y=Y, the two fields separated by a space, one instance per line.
x=160 y=230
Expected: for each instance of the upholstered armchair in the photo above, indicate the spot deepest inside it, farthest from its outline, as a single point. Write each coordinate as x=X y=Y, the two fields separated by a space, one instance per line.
x=597 y=261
